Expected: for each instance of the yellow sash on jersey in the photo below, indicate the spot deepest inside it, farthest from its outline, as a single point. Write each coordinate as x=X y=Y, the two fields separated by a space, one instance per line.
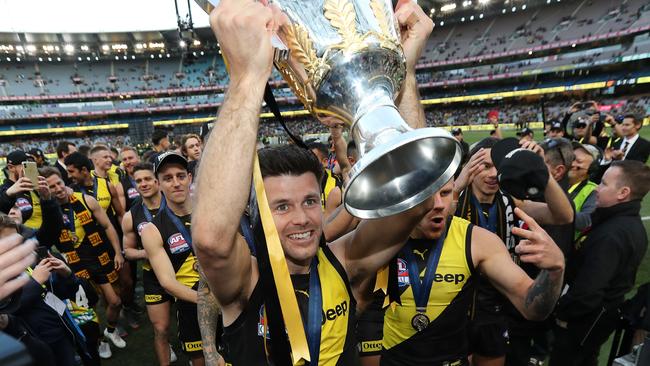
x=286 y=294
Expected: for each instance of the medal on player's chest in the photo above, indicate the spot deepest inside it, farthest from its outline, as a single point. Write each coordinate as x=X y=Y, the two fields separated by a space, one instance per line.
x=420 y=321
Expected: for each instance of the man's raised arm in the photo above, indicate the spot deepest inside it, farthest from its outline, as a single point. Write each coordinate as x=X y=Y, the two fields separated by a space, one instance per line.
x=243 y=28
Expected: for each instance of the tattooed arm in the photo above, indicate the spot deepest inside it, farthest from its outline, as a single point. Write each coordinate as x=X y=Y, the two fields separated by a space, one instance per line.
x=535 y=299
x=208 y=316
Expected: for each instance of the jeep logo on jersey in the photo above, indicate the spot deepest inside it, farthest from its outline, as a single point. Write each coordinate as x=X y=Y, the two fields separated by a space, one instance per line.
x=177 y=244
x=402 y=273
x=23 y=204
x=333 y=313
x=132 y=193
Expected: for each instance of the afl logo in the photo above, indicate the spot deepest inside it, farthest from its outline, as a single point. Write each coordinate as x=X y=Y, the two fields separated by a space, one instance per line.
x=262 y=327
x=402 y=273
x=132 y=193
x=177 y=244
x=141 y=227
x=23 y=204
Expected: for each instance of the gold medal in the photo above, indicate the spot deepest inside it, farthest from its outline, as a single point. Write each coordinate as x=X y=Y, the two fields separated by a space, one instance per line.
x=420 y=321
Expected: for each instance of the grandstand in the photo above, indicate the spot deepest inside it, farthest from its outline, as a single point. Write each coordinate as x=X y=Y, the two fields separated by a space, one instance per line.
x=527 y=59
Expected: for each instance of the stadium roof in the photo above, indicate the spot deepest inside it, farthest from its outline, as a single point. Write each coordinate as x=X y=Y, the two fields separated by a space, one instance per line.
x=94 y=16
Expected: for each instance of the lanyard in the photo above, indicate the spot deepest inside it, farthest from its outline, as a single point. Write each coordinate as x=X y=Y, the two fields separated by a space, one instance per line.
x=315 y=314
x=84 y=191
x=70 y=213
x=147 y=213
x=421 y=290
x=179 y=225
x=491 y=222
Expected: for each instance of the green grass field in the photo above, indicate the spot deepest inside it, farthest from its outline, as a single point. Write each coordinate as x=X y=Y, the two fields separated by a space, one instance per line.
x=139 y=350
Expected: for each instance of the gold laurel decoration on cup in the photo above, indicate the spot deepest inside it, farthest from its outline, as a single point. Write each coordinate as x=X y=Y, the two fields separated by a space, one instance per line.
x=381 y=14
x=342 y=16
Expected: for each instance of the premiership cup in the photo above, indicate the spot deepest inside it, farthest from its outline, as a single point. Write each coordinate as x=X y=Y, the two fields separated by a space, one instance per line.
x=344 y=61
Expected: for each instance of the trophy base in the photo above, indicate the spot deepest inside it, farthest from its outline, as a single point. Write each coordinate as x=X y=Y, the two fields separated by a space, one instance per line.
x=401 y=173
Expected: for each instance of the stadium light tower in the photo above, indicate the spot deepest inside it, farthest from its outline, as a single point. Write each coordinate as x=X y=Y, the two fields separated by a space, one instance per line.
x=186 y=33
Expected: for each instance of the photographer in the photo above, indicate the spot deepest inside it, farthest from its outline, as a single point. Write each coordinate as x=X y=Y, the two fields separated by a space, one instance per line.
x=604 y=267
x=19 y=190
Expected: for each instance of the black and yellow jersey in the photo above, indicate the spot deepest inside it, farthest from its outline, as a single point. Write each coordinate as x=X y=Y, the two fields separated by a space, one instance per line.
x=87 y=244
x=131 y=194
x=445 y=338
x=29 y=204
x=178 y=248
x=247 y=339
x=99 y=191
x=139 y=219
x=329 y=182
x=114 y=174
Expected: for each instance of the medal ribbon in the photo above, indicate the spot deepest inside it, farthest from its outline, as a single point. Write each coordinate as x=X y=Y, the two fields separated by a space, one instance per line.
x=163 y=206
x=422 y=289
x=179 y=225
x=491 y=222
x=94 y=194
x=315 y=315
x=280 y=270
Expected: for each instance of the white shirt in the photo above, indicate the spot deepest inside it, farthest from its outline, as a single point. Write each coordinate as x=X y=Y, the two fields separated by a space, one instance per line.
x=630 y=142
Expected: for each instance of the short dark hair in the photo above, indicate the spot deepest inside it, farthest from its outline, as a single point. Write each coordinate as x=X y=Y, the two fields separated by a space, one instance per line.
x=63 y=147
x=289 y=160
x=635 y=119
x=157 y=136
x=634 y=174
x=321 y=147
x=99 y=147
x=486 y=143
x=84 y=150
x=78 y=160
x=48 y=171
x=114 y=150
x=143 y=166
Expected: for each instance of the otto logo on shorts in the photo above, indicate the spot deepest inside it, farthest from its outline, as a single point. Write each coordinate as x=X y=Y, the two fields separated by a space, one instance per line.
x=152 y=298
x=402 y=273
x=192 y=346
x=23 y=204
x=132 y=193
x=177 y=244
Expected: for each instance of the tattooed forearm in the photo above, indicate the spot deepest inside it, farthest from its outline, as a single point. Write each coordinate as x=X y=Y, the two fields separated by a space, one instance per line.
x=543 y=294
x=208 y=315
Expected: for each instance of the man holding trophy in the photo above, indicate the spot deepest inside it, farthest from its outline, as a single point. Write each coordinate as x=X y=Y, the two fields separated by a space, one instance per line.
x=347 y=62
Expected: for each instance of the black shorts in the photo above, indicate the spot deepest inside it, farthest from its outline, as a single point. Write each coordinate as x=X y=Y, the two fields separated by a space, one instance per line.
x=188 y=327
x=101 y=269
x=370 y=332
x=154 y=293
x=488 y=334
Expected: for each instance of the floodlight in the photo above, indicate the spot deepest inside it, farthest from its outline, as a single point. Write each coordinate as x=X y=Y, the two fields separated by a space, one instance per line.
x=68 y=48
x=448 y=7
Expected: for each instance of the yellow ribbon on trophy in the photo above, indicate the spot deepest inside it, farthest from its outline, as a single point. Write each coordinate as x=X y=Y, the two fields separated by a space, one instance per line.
x=286 y=294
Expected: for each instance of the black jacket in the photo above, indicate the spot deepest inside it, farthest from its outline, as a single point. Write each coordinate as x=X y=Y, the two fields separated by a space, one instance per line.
x=48 y=234
x=603 y=268
x=639 y=151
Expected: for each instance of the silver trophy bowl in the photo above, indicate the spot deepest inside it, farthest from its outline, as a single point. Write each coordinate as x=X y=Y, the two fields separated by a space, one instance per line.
x=344 y=61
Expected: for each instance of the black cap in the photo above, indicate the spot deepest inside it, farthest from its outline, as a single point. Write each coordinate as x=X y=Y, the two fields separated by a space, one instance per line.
x=456 y=131
x=556 y=125
x=16 y=157
x=36 y=153
x=525 y=131
x=168 y=157
x=521 y=173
